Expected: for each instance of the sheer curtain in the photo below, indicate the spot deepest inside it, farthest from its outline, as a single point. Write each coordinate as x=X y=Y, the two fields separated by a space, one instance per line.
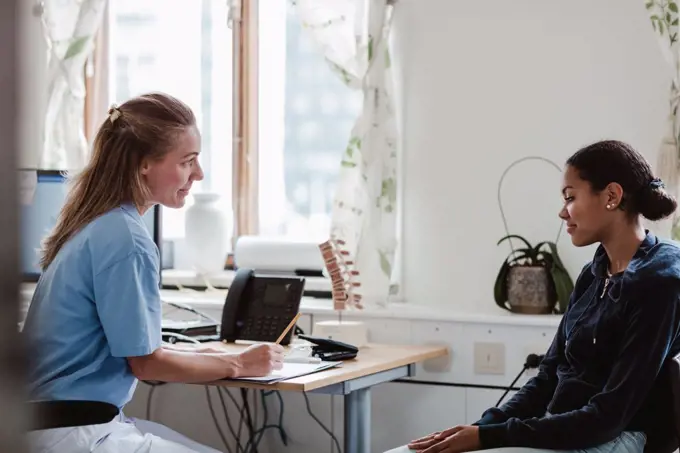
x=70 y=27
x=353 y=37
x=664 y=17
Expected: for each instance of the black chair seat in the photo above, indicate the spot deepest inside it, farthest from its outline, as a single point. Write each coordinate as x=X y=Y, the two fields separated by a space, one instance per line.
x=668 y=441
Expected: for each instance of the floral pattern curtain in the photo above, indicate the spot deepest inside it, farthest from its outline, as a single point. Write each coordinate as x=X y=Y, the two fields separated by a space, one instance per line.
x=353 y=37
x=664 y=17
x=70 y=27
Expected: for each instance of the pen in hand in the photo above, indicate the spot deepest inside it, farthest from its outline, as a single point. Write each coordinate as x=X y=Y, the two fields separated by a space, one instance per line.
x=290 y=326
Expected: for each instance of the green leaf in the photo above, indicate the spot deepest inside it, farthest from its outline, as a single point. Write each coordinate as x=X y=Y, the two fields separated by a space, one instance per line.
x=514 y=236
x=389 y=190
x=675 y=22
x=649 y=5
x=348 y=164
x=76 y=47
x=668 y=18
x=354 y=143
x=654 y=17
x=564 y=286
x=673 y=6
x=540 y=245
x=370 y=48
x=556 y=255
x=519 y=256
x=500 y=287
x=385 y=264
x=661 y=27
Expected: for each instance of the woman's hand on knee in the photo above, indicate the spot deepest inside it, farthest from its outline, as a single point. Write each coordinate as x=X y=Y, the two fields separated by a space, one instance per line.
x=458 y=439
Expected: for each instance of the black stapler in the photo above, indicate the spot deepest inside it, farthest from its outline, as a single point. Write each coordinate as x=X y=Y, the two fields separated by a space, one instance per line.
x=331 y=350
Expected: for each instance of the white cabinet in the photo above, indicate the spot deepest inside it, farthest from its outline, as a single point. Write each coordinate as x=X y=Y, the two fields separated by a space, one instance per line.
x=402 y=412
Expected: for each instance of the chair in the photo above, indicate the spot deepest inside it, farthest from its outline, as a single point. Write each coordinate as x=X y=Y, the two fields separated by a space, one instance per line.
x=667 y=440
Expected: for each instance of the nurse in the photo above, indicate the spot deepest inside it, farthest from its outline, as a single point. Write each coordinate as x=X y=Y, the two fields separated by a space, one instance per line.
x=599 y=388
x=94 y=323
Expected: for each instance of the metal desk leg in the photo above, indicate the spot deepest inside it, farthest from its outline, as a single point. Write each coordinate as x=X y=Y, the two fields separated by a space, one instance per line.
x=358 y=421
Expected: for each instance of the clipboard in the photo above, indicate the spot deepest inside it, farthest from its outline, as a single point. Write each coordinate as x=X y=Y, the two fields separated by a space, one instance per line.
x=290 y=370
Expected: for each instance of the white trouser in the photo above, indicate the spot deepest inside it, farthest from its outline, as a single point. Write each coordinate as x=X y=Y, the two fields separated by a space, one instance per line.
x=122 y=434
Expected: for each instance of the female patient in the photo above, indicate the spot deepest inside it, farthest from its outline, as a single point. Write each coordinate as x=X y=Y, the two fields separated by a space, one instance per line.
x=94 y=324
x=599 y=388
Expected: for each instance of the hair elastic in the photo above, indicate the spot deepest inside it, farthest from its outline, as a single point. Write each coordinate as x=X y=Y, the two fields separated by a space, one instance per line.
x=114 y=113
x=656 y=183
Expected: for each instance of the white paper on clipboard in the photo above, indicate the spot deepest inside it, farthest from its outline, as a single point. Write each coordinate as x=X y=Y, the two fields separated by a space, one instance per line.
x=290 y=371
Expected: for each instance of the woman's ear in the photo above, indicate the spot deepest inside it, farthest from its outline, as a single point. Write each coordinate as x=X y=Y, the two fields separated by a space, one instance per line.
x=614 y=195
x=146 y=166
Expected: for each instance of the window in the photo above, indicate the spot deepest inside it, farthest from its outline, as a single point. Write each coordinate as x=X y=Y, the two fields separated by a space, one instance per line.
x=182 y=48
x=304 y=112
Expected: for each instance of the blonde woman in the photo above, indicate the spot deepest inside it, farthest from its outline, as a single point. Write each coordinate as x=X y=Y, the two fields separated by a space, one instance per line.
x=94 y=321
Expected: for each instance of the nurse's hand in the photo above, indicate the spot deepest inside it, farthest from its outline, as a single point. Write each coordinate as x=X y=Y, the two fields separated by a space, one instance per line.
x=259 y=360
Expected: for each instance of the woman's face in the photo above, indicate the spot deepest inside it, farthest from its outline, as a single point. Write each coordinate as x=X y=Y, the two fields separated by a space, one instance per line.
x=170 y=178
x=585 y=211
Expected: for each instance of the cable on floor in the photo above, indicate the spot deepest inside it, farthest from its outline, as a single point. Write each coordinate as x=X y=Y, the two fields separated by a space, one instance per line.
x=320 y=423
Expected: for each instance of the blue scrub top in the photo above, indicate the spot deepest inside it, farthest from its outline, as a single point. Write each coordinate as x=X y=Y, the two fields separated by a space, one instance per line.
x=97 y=303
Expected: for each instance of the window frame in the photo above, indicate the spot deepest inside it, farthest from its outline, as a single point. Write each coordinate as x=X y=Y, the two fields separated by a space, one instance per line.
x=244 y=27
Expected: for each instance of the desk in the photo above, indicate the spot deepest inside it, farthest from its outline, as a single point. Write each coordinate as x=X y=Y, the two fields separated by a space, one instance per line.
x=375 y=364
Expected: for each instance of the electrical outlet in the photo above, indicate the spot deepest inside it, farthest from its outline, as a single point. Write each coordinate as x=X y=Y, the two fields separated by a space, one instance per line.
x=489 y=358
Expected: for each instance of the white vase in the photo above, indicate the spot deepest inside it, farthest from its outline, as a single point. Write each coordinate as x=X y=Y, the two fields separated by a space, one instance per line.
x=208 y=233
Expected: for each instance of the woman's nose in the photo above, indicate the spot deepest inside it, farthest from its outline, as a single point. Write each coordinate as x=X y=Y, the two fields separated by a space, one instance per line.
x=563 y=214
x=198 y=172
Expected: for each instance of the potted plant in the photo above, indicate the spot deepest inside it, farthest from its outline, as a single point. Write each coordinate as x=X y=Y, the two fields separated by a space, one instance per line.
x=532 y=279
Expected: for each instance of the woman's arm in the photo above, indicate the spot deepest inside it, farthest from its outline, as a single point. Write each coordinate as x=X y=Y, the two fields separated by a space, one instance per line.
x=184 y=366
x=193 y=348
x=650 y=332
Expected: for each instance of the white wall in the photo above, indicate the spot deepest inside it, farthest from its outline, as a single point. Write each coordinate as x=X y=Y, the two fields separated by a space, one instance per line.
x=485 y=83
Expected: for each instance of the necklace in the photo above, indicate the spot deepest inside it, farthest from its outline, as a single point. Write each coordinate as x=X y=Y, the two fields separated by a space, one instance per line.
x=606 y=283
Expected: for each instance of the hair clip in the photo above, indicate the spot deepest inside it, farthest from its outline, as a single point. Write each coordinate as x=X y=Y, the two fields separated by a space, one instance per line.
x=656 y=183
x=344 y=278
x=114 y=113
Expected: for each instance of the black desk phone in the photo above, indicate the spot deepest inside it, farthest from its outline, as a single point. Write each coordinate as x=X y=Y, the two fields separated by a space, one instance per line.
x=330 y=350
x=260 y=307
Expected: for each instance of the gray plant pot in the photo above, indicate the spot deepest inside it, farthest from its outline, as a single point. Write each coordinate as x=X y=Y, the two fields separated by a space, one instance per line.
x=530 y=290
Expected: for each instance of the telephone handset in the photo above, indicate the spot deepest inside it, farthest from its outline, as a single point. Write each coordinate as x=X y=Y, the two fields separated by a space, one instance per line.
x=260 y=307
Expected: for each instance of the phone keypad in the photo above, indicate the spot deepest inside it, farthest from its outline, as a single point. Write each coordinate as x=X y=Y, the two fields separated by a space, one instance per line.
x=265 y=328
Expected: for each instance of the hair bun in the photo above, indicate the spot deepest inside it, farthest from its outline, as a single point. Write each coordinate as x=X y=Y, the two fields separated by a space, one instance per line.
x=654 y=203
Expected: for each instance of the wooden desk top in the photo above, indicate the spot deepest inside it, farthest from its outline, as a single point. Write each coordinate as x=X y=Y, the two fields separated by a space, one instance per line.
x=371 y=359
